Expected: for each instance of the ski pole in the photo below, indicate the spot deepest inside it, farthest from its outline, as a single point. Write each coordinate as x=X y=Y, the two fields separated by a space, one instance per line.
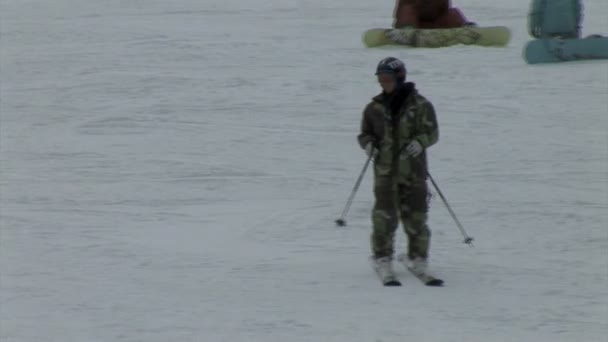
x=467 y=239
x=341 y=221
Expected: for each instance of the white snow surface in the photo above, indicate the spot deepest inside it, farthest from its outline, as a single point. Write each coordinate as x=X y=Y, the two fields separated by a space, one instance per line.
x=172 y=170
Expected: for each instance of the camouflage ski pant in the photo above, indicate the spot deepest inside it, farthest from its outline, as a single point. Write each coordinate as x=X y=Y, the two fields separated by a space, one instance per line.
x=408 y=202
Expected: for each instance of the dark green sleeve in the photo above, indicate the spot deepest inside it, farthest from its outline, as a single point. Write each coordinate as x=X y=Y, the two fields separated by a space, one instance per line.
x=427 y=130
x=367 y=131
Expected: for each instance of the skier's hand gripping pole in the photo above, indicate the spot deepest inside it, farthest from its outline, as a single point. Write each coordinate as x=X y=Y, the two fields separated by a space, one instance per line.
x=467 y=239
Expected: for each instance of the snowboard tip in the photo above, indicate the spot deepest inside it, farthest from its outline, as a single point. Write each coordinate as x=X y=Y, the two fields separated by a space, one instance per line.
x=374 y=37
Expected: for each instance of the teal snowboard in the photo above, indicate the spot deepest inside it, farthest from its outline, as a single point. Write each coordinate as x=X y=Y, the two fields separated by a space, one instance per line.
x=434 y=38
x=552 y=50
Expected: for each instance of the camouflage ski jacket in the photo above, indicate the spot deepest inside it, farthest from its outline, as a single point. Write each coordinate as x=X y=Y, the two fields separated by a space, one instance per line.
x=391 y=123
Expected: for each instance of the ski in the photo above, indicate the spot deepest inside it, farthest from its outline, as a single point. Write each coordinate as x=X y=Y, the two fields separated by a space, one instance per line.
x=426 y=278
x=387 y=277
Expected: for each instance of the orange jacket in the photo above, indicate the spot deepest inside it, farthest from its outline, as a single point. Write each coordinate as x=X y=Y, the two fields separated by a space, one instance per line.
x=427 y=14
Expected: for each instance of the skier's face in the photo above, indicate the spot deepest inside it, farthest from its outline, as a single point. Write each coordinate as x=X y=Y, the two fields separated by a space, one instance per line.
x=387 y=82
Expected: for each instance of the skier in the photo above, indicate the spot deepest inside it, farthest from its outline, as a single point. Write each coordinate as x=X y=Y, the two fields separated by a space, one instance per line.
x=397 y=127
x=428 y=14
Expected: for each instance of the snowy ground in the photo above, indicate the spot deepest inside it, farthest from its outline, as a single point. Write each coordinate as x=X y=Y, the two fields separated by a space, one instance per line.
x=171 y=171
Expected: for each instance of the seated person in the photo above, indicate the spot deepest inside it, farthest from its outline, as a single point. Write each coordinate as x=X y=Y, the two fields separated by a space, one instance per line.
x=428 y=14
x=555 y=18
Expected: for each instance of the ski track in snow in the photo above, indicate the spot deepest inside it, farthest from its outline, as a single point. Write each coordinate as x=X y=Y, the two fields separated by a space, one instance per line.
x=171 y=171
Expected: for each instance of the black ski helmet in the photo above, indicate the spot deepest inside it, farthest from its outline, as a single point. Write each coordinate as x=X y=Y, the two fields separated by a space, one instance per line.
x=394 y=66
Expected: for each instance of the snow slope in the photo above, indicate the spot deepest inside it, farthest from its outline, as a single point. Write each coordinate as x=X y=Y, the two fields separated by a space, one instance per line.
x=171 y=171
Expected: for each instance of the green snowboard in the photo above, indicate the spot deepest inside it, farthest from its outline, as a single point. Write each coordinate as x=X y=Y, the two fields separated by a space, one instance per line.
x=552 y=50
x=433 y=38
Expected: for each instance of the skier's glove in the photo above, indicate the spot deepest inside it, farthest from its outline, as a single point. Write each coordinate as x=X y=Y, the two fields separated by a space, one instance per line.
x=414 y=148
x=370 y=150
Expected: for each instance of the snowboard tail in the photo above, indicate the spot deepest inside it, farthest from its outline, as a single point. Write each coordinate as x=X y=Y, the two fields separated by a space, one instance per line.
x=553 y=50
x=434 y=38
